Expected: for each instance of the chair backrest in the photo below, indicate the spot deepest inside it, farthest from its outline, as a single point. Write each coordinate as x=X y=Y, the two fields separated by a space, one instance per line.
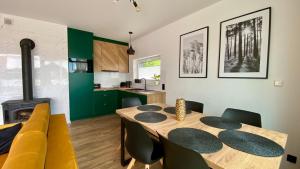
x=131 y=102
x=194 y=106
x=178 y=157
x=138 y=144
x=243 y=116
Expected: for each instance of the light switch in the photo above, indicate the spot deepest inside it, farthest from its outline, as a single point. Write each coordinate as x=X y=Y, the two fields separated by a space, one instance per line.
x=7 y=21
x=278 y=83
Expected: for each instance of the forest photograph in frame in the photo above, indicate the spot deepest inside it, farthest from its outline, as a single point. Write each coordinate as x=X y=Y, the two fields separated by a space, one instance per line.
x=244 y=46
x=193 y=54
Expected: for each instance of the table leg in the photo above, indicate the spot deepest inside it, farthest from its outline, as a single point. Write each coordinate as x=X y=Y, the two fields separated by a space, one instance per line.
x=123 y=161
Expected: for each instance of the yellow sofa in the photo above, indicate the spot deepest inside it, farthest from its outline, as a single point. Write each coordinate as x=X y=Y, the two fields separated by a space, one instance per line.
x=42 y=143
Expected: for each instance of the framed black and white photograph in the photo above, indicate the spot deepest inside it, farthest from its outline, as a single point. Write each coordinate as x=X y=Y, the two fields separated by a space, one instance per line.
x=193 y=54
x=244 y=46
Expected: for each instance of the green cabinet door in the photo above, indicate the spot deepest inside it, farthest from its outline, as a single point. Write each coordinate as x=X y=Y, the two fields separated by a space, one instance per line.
x=105 y=102
x=81 y=95
x=124 y=94
x=80 y=44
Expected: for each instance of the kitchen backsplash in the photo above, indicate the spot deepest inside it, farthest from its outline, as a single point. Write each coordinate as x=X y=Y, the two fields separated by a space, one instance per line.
x=110 y=79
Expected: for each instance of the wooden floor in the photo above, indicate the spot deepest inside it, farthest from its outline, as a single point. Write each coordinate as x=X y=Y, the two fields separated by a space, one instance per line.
x=97 y=141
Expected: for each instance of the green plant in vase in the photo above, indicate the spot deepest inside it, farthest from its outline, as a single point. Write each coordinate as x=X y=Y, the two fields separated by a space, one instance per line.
x=156 y=78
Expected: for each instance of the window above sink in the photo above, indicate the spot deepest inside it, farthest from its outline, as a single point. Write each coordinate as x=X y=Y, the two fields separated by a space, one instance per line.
x=148 y=68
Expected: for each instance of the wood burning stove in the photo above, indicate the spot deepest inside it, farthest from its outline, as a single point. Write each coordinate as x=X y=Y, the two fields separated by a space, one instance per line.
x=20 y=110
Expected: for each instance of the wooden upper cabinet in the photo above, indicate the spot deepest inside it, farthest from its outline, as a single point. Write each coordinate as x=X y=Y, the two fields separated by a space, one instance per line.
x=123 y=59
x=110 y=57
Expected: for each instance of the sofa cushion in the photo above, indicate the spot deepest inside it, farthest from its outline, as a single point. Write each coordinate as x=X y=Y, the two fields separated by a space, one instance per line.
x=60 y=152
x=27 y=152
x=3 y=158
x=35 y=126
x=25 y=161
x=7 y=136
x=32 y=142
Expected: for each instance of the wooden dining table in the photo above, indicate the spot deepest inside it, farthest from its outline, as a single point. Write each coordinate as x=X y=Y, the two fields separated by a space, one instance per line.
x=227 y=157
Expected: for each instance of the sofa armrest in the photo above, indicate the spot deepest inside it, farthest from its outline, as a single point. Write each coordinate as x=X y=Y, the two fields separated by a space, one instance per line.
x=7 y=125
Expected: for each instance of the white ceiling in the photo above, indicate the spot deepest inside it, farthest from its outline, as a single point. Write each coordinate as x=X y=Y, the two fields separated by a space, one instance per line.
x=104 y=17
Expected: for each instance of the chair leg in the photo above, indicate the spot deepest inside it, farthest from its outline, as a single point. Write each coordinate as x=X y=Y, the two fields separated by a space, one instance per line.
x=161 y=162
x=147 y=166
x=123 y=161
x=131 y=163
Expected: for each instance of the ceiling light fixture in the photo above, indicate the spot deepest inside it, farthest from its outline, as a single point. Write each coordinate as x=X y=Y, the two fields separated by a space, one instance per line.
x=134 y=3
x=137 y=8
x=130 y=50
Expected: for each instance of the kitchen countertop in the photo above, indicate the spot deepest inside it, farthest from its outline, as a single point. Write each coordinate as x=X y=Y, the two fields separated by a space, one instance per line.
x=150 y=92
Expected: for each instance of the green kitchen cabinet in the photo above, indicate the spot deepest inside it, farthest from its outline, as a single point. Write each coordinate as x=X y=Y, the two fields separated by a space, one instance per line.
x=105 y=102
x=124 y=94
x=81 y=84
x=81 y=95
x=80 y=44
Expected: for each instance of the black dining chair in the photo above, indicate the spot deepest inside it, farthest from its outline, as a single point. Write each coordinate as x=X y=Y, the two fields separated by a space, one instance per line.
x=126 y=102
x=178 y=157
x=194 y=106
x=243 y=116
x=131 y=102
x=140 y=145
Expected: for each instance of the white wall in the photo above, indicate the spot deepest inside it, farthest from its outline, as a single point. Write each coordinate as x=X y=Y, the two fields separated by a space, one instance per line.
x=50 y=73
x=279 y=107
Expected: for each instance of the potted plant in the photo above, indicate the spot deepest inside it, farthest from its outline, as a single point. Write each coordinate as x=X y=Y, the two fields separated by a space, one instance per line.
x=156 y=78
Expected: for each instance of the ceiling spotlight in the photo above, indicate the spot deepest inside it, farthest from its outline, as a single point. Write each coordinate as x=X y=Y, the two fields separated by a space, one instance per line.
x=136 y=6
x=134 y=3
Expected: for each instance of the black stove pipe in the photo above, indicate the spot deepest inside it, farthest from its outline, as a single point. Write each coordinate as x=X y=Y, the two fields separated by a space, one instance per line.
x=26 y=46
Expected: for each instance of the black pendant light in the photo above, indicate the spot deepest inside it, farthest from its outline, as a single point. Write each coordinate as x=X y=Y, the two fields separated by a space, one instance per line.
x=130 y=50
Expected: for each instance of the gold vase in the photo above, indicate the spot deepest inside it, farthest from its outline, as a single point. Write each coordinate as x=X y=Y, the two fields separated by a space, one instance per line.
x=180 y=109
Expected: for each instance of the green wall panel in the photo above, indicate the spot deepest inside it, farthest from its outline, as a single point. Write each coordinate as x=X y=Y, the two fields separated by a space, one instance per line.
x=110 y=41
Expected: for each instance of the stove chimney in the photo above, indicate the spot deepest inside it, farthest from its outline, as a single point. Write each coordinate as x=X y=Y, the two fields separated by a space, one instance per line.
x=26 y=46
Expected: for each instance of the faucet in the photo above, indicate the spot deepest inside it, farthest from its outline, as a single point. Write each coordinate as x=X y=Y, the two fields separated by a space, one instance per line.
x=140 y=81
x=145 y=88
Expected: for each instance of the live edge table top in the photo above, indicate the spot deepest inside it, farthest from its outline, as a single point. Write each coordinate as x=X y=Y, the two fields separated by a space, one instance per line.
x=227 y=157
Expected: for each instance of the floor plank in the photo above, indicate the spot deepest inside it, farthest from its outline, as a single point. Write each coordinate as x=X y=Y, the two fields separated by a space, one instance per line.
x=96 y=142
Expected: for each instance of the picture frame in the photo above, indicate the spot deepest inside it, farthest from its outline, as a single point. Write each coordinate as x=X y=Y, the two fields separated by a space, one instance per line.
x=244 y=46
x=193 y=54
